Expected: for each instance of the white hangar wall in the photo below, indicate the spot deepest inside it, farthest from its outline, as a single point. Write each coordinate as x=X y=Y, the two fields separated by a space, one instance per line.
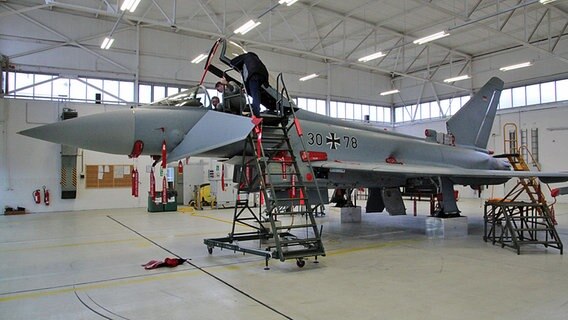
x=158 y=56
x=549 y=120
x=27 y=164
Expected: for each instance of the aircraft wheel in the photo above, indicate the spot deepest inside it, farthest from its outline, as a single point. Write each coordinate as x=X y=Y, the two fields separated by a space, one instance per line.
x=210 y=250
x=300 y=263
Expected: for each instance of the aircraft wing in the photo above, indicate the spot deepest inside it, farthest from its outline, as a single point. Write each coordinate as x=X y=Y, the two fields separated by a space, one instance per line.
x=416 y=171
x=212 y=132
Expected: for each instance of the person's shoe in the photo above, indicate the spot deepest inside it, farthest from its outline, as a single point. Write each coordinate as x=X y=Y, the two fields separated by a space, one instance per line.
x=256 y=120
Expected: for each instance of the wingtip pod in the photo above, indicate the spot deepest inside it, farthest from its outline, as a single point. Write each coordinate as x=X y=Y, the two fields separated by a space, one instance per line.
x=471 y=125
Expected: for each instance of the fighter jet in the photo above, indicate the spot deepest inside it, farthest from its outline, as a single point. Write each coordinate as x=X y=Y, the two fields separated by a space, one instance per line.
x=349 y=154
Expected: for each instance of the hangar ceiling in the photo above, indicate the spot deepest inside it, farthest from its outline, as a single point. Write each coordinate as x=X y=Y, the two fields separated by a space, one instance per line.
x=340 y=32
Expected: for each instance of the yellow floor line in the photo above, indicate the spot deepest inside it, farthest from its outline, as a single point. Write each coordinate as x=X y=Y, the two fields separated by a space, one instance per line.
x=180 y=274
x=102 y=285
x=68 y=245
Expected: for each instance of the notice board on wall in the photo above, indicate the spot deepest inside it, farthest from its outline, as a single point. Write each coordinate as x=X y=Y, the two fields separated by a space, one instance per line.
x=109 y=176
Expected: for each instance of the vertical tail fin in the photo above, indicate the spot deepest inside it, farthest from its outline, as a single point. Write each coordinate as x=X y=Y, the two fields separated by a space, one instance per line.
x=471 y=125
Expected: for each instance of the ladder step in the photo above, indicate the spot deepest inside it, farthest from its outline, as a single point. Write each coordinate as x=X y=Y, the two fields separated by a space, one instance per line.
x=285 y=186
x=280 y=173
x=282 y=137
x=294 y=254
x=538 y=242
x=284 y=213
x=296 y=226
x=276 y=149
x=534 y=229
x=245 y=219
x=280 y=161
x=290 y=199
x=305 y=241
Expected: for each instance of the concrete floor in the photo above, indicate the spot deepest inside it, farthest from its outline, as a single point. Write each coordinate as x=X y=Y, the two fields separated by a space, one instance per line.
x=86 y=265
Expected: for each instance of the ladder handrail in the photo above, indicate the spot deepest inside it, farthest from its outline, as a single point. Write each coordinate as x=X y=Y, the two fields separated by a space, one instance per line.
x=280 y=78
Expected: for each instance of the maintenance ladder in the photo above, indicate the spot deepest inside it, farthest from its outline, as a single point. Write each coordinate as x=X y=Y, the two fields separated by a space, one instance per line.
x=286 y=227
x=513 y=222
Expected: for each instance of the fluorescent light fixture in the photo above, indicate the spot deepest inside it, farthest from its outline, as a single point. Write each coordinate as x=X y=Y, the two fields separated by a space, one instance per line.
x=107 y=42
x=130 y=5
x=431 y=37
x=247 y=27
x=199 y=58
x=546 y=1
x=386 y=93
x=516 y=66
x=287 y=2
x=370 y=57
x=458 y=78
x=309 y=77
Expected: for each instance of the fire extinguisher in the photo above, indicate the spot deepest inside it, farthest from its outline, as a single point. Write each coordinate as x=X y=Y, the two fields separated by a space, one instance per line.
x=164 y=154
x=135 y=182
x=180 y=167
x=152 y=185
x=164 y=191
x=37 y=196
x=45 y=196
x=223 y=177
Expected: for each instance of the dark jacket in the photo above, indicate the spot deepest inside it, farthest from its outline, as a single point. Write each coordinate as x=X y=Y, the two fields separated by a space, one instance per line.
x=249 y=65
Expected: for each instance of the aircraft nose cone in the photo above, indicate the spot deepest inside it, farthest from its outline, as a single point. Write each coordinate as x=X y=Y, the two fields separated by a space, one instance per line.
x=105 y=132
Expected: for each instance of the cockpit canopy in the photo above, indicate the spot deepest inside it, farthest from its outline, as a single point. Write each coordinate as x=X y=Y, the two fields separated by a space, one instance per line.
x=193 y=97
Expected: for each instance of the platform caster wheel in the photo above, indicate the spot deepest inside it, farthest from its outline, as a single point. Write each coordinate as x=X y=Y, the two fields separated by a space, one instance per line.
x=300 y=263
x=210 y=250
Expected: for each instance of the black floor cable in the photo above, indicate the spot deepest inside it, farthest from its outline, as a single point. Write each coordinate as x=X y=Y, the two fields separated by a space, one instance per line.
x=204 y=271
x=88 y=307
x=105 y=309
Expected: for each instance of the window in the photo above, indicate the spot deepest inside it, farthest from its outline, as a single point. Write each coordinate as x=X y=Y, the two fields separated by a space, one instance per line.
x=43 y=90
x=374 y=113
x=144 y=93
x=172 y=90
x=505 y=100
x=341 y=110
x=533 y=94
x=455 y=105
x=424 y=112
x=519 y=97
x=357 y=112
x=159 y=93
x=365 y=109
x=23 y=84
x=302 y=103
x=320 y=107
x=398 y=115
x=333 y=109
x=127 y=91
x=349 y=111
x=94 y=87
x=77 y=90
x=61 y=88
x=408 y=113
x=312 y=105
x=547 y=92
x=562 y=90
x=53 y=87
x=445 y=105
x=386 y=115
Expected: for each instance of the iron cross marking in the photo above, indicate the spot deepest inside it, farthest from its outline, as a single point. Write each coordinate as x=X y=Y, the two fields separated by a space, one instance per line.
x=332 y=140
